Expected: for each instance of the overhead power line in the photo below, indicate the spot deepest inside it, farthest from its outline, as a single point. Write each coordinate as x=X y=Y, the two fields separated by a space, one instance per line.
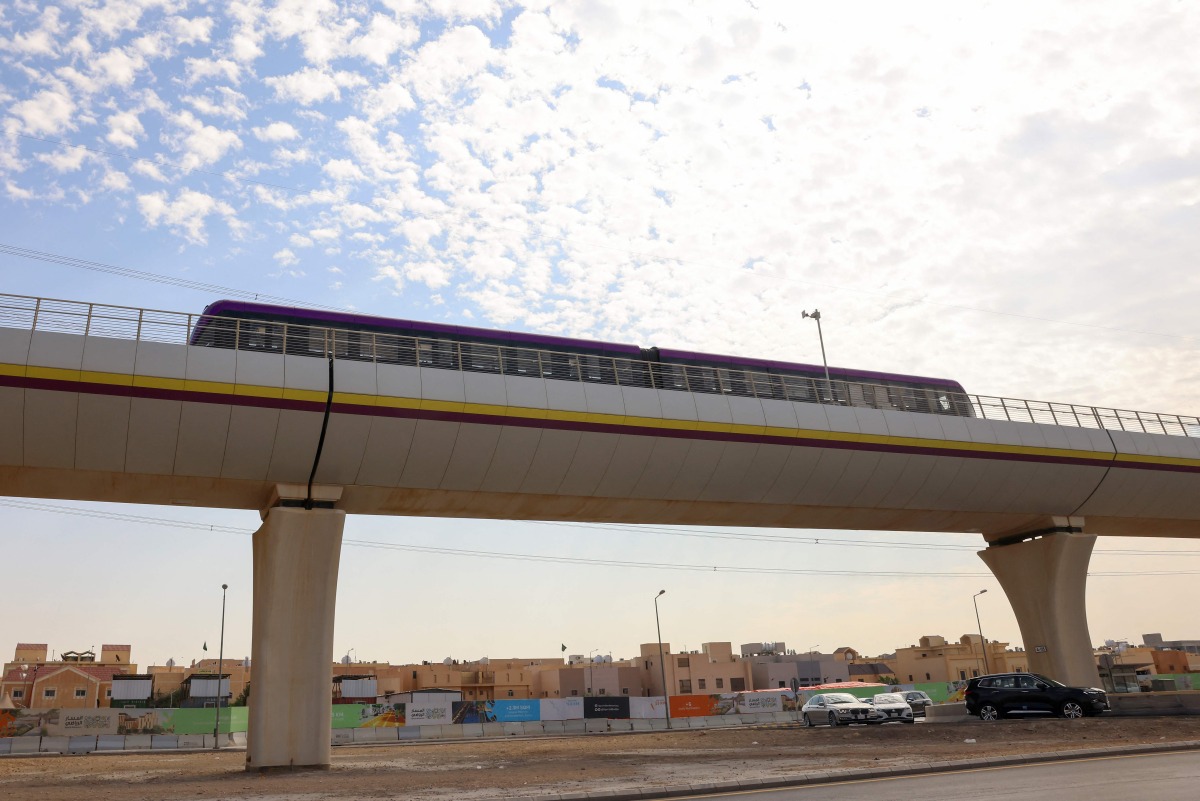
x=39 y=506
x=169 y=280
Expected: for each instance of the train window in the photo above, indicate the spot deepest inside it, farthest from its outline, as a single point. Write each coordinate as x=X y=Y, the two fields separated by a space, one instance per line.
x=437 y=353
x=944 y=403
x=668 y=376
x=734 y=382
x=767 y=386
x=260 y=335
x=702 y=379
x=799 y=388
x=562 y=366
x=520 y=361
x=632 y=373
x=480 y=358
x=598 y=369
x=392 y=349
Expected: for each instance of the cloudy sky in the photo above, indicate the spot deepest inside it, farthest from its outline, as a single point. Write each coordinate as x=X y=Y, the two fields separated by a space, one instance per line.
x=1006 y=194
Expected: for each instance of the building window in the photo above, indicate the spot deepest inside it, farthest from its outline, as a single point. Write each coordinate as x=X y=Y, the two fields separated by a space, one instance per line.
x=684 y=661
x=702 y=684
x=108 y=693
x=80 y=692
x=602 y=691
x=962 y=674
x=49 y=692
x=18 y=693
x=574 y=692
x=910 y=677
x=721 y=683
x=737 y=685
x=780 y=684
x=926 y=677
x=974 y=672
x=685 y=686
x=624 y=691
x=510 y=693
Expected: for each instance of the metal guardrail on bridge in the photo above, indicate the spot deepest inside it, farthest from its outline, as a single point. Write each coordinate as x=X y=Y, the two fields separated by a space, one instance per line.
x=123 y=322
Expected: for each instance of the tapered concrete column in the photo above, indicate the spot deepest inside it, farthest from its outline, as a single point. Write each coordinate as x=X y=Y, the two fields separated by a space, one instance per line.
x=1045 y=580
x=296 y=554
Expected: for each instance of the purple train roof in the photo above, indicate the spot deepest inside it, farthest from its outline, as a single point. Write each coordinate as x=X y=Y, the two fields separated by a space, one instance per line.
x=333 y=319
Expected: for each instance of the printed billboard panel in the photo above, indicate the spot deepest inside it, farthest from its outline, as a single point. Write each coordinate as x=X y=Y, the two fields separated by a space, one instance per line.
x=429 y=711
x=610 y=708
x=751 y=703
x=562 y=708
x=646 y=708
x=514 y=710
x=696 y=706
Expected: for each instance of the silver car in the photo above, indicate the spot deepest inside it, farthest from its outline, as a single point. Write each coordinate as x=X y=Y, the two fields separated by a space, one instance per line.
x=836 y=709
x=891 y=707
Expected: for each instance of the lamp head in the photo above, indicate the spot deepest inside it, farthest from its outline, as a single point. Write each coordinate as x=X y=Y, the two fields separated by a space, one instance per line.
x=224 y=586
x=660 y=592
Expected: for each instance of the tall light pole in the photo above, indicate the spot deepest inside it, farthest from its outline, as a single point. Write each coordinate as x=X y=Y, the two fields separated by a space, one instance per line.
x=662 y=665
x=220 y=667
x=982 y=642
x=816 y=315
x=811 y=650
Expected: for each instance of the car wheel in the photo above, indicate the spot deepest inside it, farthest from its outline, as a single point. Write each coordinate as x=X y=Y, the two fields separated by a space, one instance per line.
x=808 y=721
x=989 y=712
x=833 y=720
x=1070 y=709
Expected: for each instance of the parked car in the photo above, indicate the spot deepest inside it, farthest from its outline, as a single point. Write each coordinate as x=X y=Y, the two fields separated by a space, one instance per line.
x=836 y=709
x=918 y=700
x=891 y=707
x=1001 y=694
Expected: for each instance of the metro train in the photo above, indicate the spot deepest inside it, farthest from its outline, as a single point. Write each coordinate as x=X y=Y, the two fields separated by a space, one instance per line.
x=308 y=332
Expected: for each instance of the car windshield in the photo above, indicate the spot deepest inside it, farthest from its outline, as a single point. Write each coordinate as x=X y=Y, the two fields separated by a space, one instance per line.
x=889 y=698
x=841 y=698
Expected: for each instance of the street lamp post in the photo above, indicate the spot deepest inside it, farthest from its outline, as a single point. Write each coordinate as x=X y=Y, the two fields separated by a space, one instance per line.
x=220 y=667
x=811 y=650
x=662 y=665
x=816 y=315
x=982 y=642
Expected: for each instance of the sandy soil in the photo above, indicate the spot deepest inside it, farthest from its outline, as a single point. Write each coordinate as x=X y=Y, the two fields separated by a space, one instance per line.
x=486 y=769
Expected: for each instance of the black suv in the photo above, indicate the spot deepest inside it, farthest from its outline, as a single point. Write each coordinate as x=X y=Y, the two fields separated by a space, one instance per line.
x=993 y=697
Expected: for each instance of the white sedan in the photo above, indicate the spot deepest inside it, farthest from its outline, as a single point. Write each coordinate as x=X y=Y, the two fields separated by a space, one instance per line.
x=892 y=707
x=836 y=709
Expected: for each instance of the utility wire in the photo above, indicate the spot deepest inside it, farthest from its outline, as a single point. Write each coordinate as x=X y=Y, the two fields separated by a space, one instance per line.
x=195 y=526
x=126 y=272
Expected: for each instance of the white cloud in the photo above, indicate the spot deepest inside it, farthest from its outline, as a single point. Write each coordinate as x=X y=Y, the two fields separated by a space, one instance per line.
x=67 y=159
x=192 y=30
x=220 y=102
x=187 y=214
x=115 y=181
x=201 y=144
x=277 y=132
x=286 y=257
x=300 y=241
x=309 y=85
x=49 y=111
x=203 y=69
x=124 y=129
x=39 y=41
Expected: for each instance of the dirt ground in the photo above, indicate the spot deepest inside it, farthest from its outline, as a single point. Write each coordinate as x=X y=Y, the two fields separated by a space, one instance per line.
x=487 y=769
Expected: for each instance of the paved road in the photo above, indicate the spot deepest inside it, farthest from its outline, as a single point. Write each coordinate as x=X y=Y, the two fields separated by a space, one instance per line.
x=1161 y=777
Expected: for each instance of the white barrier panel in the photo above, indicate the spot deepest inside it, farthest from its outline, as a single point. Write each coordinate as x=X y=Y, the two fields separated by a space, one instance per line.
x=164 y=741
x=192 y=741
x=83 y=744
x=562 y=709
x=110 y=742
x=646 y=708
x=135 y=742
x=25 y=745
x=55 y=745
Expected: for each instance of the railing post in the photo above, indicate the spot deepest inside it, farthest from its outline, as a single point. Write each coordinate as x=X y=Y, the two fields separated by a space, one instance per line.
x=142 y=314
x=237 y=335
x=87 y=326
x=37 y=310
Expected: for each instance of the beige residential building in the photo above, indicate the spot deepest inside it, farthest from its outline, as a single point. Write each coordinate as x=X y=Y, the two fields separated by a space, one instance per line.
x=71 y=680
x=712 y=669
x=934 y=659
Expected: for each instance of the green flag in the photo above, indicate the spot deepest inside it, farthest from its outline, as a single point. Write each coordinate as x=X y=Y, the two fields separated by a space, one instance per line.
x=564 y=647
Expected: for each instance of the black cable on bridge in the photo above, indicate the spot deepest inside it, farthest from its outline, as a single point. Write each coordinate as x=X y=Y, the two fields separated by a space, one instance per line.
x=308 y=500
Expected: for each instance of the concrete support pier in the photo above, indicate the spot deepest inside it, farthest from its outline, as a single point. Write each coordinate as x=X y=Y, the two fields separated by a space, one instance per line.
x=1045 y=580
x=296 y=555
